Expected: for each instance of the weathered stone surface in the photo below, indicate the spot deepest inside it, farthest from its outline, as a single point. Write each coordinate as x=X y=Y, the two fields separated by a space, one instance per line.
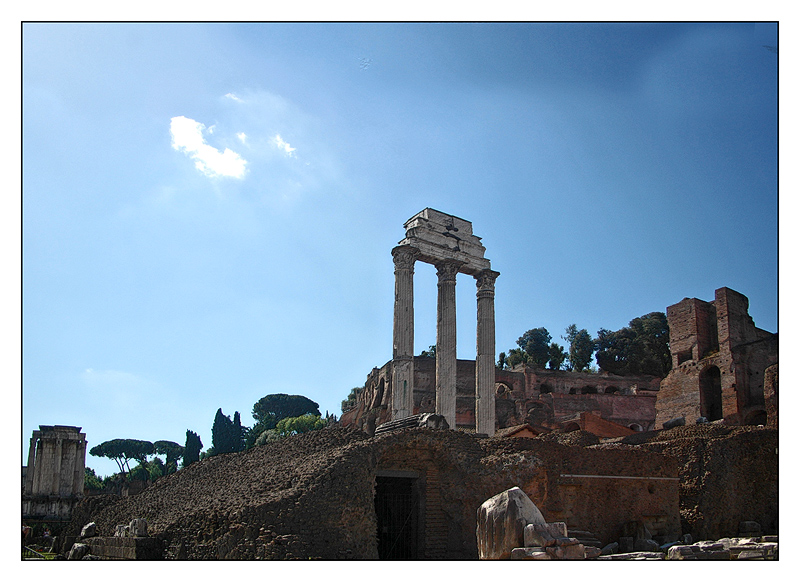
x=646 y=546
x=625 y=544
x=89 y=530
x=634 y=556
x=501 y=523
x=529 y=554
x=138 y=528
x=591 y=552
x=121 y=531
x=569 y=552
x=78 y=551
x=673 y=422
x=609 y=549
x=535 y=538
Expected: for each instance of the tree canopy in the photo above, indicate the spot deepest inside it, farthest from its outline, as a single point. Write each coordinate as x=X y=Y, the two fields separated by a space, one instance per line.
x=275 y=407
x=581 y=348
x=299 y=424
x=191 y=451
x=226 y=434
x=123 y=451
x=172 y=451
x=536 y=343
x=640 y=348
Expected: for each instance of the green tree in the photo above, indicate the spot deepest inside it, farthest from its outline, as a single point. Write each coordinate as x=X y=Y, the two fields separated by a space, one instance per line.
x=557 y=356
x=226 y=434
x=581 y=348
x=501 y=361
x=299 y=424
x=172 y=452
x=350 y=402
x=91 y=480
x=516 y=356
x=429 y=353
x=640 y=348
x=191 y=451
x=536 y=343
x=123 y=451
x=274 y=407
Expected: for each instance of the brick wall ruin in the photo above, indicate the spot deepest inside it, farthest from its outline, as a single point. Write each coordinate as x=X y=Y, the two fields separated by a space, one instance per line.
x=545 y=398
x=718 y=361
x=317 y=495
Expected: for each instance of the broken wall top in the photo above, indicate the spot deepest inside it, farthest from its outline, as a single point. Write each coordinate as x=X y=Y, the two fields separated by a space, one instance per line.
x=440 y=237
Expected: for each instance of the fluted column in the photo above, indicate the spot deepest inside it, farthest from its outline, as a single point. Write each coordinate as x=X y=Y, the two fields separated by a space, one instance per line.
x=446 y=341
x=31 y=461
x=403 y=341
x=484 y=360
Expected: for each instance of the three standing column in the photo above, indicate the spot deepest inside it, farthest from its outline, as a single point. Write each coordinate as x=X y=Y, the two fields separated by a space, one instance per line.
x=403 y=349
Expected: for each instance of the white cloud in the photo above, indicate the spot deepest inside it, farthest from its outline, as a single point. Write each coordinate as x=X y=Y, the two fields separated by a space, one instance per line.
x=282 y=145
x=187 y=136
x=241 y=136
x=234 y=97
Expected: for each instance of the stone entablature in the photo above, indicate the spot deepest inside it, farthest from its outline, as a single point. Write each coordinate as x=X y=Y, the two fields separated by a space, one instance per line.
x=718 y=361
x=54 y=475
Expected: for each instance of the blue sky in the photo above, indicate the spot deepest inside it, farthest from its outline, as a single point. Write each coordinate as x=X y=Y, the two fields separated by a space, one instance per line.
x=209 y=209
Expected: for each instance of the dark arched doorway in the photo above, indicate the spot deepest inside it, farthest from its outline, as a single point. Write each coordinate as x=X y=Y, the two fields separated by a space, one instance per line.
x=711 y=394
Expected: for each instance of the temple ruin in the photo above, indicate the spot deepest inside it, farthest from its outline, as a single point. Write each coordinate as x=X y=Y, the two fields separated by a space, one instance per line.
x=446 y=242
x=53 y=478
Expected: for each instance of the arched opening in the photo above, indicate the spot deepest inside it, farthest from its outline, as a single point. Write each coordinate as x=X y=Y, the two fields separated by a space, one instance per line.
x=545 y=389
x=636 y=427
x=571 y=427
x=573 y=390
x=756 y=417
x=711 y=394
x=589 y=390
x=612 y=390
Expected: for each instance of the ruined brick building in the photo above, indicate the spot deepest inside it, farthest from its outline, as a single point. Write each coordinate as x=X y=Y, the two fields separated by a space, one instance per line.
x=718 y=362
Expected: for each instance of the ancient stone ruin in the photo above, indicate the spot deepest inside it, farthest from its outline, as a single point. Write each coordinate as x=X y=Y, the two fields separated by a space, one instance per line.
x=719 y=358
x=53 y=477
x=455 y=459
x=446 y=242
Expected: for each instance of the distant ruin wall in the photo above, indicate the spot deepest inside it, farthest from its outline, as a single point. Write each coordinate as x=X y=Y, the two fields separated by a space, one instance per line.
x=546 y=398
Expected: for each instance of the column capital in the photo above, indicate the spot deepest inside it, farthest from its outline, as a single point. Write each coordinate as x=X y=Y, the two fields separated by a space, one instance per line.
x=485 y=280
x=404 y=256
x=448 y=269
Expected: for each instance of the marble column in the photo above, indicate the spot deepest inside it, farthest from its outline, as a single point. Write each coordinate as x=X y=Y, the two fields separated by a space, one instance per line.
x=31 y=461
x=484 y=360
x=403 y=348
x=446 y=341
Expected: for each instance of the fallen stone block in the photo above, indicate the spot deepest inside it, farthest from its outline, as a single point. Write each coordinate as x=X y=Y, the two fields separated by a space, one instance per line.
x=634 y=556
x=566 y=542
x=501 y=523
x=625 y=544
x=78 y=551
x=556 y=529
x=646 y=546
x=89 y=530
x=714 y=555
x=536 y=537
x=529 y=554
x=681 y=552
x=592 y=552
x=609 y=549
x=769 y=539
x=138 y=528
x=750 y=555
x=673 y=422
x=569 y=552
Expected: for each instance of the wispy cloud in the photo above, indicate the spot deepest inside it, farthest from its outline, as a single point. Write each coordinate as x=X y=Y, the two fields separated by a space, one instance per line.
x=282 y=145
x=234 y=97
x=187 y=136
x=242 y=137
